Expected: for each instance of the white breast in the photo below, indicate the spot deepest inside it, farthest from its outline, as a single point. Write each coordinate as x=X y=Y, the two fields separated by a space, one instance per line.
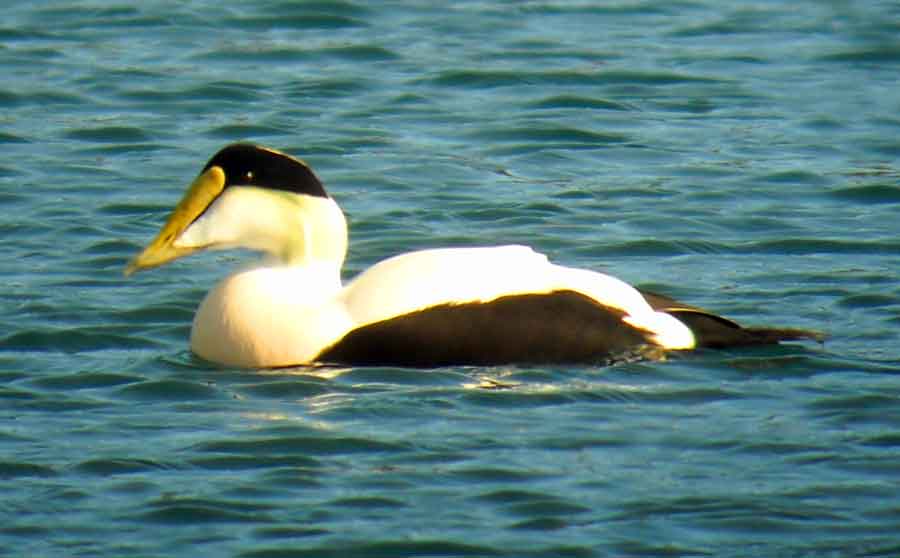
x=271 y=316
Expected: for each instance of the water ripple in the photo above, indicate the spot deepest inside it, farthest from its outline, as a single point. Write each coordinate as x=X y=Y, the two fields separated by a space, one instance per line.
x=18 y=469
x=193 y=511
x=75 y=340
x=304 y=445
x=387 y=549
x=168 y=390
x=107 y=467
x=711 y=151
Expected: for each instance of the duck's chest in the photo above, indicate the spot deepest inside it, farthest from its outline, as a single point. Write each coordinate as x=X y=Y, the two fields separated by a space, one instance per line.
x=268 y=317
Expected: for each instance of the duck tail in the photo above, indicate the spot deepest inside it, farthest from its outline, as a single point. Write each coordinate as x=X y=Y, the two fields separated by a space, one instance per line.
x=714 y=331
x=769 y=335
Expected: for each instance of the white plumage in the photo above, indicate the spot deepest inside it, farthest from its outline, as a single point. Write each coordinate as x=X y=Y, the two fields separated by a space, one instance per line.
x=294 y=310
x=284 y=315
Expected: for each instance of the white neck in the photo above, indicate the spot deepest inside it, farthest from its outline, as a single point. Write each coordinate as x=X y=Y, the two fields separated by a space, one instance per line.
x=263 y=316
x=295 y=229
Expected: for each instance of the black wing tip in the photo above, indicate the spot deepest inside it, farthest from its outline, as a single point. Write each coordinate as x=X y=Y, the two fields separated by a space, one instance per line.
x=714 y=331
x=777 y=335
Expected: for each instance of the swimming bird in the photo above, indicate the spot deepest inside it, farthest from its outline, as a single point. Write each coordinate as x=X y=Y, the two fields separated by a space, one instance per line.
x=428 y=308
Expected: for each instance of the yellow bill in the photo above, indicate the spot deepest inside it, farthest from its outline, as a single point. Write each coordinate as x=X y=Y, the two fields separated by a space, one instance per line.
x=162 y=249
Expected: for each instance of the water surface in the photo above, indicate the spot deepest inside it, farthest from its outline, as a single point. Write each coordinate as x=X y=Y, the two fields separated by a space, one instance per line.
x=740 y=156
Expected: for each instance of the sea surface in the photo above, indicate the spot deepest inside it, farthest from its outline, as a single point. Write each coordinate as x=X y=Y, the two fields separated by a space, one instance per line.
x=741 y=156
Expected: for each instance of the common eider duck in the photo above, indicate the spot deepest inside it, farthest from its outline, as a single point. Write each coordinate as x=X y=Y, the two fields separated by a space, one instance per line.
x=428 y=308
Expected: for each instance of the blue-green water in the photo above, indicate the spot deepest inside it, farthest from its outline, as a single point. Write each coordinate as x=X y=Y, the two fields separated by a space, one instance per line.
x=740 y=156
